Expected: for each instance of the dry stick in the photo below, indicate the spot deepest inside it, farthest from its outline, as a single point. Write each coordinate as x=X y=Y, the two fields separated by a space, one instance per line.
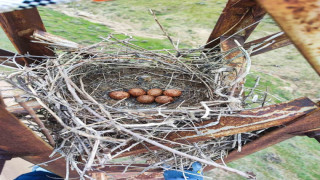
x=36 y=119
x=265 y=97
x=254 y=87
x=162 y=29
x=91 y=158
x=72 y=91
x=60 y=121
x=170 y=149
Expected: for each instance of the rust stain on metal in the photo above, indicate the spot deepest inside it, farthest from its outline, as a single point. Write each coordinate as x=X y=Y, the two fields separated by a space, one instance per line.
x=301 y=124
x=248 y=120
x=237 y=15
x=19 y=25
x=277 y=42
x=301 y=22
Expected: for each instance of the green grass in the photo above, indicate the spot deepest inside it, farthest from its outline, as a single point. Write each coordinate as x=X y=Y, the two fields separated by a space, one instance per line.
x=184 y=17
x=86 y=32
x=270 y=84
x=5 y=42
x=296 y=158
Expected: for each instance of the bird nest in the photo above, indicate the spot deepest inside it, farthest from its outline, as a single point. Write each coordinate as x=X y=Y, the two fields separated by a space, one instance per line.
x=90 y=129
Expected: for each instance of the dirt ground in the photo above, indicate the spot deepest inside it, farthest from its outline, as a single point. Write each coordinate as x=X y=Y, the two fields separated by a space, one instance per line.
x=14 y=168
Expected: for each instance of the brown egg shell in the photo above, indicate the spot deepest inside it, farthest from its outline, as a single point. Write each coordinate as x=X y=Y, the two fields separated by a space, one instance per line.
x=118 y=95
x=164 y=99
x=172 y=92
x=145 y=99
x=155 y=92
x=137 y=92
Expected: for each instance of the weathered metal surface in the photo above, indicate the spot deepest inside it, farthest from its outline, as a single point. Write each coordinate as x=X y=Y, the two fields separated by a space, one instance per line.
x=300 y=19
x=237 y=15
x=19 y=140
x=19 y=25
x=309 y=121
x=248 y=120
x=275 y=43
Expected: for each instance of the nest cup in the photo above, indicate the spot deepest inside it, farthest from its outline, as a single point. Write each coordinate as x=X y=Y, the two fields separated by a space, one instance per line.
x=100 y=80
x=74 y=88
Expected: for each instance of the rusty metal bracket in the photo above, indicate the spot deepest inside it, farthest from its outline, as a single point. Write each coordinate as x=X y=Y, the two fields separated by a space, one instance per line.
x=300 y=20
x=278 y=42
x=19 y=25
x=18 y=140
x=237 y=15
x=246 y=121
x=303 y=123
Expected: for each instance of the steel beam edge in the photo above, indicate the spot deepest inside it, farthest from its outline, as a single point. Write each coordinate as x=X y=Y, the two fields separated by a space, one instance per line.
x=291 y=129
x=248 y=120
x=300 y=21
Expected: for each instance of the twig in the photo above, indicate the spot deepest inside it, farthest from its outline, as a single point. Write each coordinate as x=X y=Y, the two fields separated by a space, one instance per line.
x=36 y=119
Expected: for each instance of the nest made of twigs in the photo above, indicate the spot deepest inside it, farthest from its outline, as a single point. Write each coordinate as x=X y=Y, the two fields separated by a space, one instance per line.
x=92 y=129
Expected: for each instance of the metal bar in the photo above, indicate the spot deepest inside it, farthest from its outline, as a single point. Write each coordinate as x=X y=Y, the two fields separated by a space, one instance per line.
x=303 y=123
x=237 y=15
x=277 y=42
x=246 y=121
x=18 y=140
x=19 y=25
x=300 y=20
